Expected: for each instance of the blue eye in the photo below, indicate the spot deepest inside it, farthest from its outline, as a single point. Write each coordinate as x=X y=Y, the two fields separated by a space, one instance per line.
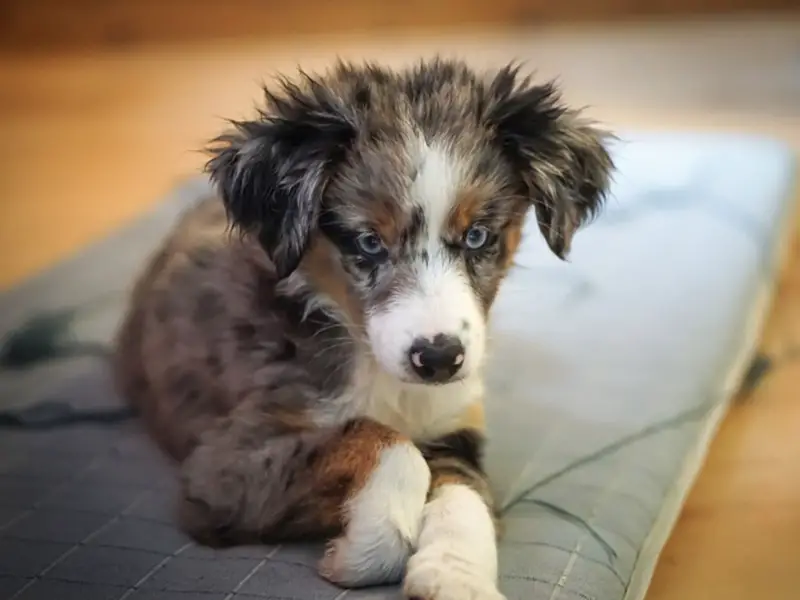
x=476 y=237
x=370 y=244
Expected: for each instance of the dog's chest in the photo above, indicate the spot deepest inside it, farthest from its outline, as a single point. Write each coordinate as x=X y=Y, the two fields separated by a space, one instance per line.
x=418 y=411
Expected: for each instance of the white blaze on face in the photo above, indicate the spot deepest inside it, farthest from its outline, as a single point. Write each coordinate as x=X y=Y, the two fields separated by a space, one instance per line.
x=441 y=300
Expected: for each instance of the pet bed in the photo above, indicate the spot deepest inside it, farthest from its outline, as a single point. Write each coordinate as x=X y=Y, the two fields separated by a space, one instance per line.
x=608 y=378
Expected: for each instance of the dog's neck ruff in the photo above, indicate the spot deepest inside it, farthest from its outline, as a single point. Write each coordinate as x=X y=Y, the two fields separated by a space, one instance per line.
x=419 y=411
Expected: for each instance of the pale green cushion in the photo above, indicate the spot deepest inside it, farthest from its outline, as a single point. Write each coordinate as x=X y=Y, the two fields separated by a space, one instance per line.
x=611 y=372
x=609 y=375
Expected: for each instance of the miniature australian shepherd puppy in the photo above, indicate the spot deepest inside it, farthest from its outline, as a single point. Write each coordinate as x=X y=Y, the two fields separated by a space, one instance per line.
x=308 y=342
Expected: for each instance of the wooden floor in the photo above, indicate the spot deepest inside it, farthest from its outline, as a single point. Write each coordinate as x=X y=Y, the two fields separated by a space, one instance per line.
x=90 y=141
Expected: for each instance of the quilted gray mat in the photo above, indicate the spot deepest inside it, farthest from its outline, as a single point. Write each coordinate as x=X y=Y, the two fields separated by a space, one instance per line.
x=86 y=514
x=608 y=378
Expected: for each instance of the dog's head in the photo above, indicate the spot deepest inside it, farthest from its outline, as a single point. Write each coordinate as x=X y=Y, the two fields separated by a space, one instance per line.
x=421 y=180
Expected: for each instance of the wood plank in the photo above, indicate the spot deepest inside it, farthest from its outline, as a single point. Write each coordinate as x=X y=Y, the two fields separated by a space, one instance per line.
x=738 y=537
x=52 y=24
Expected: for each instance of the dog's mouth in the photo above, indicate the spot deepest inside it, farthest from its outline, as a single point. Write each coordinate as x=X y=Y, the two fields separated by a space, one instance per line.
x=417 y=380
x=452 y=381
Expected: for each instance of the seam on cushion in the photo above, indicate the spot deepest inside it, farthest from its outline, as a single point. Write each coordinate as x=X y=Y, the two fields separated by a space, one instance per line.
x=576 y=551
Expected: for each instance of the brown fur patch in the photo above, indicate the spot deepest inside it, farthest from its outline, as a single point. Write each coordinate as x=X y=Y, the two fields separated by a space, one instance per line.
x=513 y=237
x=441 y=478
x=289 y=421
x=334 y=472
x=387 y=218
x=356 y=454
x=464 y=211
x=449 y=471
x=474 y=418
x=326 y=276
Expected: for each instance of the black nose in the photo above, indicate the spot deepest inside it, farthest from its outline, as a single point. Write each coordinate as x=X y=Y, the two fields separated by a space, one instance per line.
x=436 y=360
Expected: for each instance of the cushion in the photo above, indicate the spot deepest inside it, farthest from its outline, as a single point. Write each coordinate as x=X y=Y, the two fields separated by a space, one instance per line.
x=608 y=377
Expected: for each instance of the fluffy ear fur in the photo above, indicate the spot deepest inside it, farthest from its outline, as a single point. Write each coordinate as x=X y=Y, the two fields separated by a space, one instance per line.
x=562 y=159
x=272 y=171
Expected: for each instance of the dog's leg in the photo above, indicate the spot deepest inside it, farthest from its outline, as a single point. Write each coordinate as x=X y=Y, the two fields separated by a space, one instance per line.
x=457 y=550
x=361 y=480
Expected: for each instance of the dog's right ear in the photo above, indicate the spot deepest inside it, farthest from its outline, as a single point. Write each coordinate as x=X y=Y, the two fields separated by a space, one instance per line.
x=271 y=172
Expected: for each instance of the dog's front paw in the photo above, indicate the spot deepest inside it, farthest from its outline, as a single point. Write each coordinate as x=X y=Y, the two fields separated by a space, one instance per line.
x=350 y=566
x=383 y=521
x=444 y=576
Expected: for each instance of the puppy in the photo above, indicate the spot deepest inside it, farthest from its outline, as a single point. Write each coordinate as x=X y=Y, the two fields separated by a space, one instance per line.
x=308 y=343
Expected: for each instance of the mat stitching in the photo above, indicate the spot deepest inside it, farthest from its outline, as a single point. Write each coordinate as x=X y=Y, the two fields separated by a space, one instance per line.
x=136 y=586
x=252 y=572
x=62 y=557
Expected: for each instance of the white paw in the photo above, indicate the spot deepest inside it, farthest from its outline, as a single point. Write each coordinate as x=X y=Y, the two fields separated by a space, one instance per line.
x=383 y=521
x=347 y=565
x=444 y=576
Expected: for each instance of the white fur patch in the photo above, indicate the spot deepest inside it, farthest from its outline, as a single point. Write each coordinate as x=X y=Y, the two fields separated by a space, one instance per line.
x=457 y=555
x=419 y=411
x=441 y=300
x=383 y=522
x=438 y=179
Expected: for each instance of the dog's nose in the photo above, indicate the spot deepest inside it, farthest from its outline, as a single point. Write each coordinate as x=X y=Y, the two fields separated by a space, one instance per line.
x=436 y=360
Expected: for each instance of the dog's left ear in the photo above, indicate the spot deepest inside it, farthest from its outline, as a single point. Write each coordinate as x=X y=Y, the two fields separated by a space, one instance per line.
x=271 y=172
x=562 y=159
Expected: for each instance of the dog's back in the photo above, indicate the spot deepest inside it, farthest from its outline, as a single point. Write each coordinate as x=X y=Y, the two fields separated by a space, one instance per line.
x=150 y=338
